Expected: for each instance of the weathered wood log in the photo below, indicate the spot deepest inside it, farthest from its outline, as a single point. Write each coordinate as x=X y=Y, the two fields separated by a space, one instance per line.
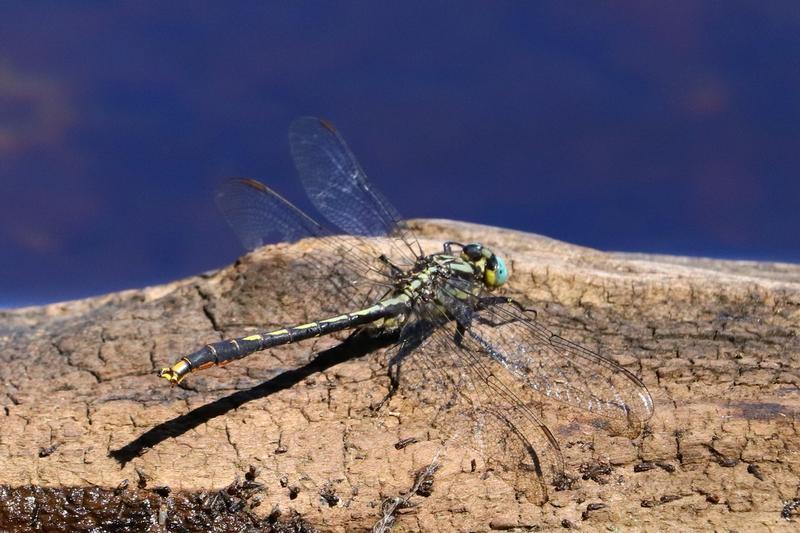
x=715 y=342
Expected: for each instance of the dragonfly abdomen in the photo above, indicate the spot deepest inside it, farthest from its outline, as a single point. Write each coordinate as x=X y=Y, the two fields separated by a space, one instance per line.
x=223 y=352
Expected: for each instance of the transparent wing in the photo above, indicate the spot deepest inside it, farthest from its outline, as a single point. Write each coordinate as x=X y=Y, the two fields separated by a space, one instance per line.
x=550 y=364
x=258 y=215
x=338 y=187
x=468 y=396
x=346 y=275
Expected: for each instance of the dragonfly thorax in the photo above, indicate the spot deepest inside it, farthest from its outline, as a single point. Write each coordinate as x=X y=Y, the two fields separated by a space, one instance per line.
x=475 y=264
x=430 y=273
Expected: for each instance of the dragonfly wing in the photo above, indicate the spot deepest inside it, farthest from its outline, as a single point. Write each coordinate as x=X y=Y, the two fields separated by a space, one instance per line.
x=258 y=215
x=338 y=187
x=552 y=365
x=468 y=397
x=348 y=275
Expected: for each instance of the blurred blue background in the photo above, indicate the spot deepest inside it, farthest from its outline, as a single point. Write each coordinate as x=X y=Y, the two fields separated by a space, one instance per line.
x=669 y=127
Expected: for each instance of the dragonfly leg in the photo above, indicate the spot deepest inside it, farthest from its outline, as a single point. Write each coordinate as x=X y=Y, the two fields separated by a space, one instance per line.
x=416 y=335
x=488 y=301
x=396 y=270
x=394 y=382
x=448 y=247
x=458 y=336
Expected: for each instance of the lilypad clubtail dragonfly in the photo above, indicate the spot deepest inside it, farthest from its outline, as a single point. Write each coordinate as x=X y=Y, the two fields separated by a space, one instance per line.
x=469 y=356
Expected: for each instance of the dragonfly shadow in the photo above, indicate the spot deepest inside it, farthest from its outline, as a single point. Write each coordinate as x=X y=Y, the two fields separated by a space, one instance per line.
x=357 y=345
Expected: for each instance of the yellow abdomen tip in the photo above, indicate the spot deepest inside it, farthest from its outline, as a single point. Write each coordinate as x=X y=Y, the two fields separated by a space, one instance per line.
x=175 y=374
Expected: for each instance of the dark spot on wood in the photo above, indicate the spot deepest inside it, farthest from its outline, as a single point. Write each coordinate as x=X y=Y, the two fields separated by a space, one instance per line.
x=591 y=508
x=666 y=467
x=597 y=472
x=399 y=445
x=790 y=508
x=755 y=471
x=48 y=450
x=666 y=498
x=328 y=495
x=564 y=482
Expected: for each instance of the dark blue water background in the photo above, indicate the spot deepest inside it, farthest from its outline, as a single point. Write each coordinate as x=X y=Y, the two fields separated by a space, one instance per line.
x=667 y=127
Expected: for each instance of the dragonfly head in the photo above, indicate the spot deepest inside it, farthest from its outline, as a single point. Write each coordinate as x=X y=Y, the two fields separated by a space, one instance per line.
x=490 y=265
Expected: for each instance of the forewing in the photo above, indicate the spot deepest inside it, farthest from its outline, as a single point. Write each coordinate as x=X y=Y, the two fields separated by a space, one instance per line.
x=338 y=187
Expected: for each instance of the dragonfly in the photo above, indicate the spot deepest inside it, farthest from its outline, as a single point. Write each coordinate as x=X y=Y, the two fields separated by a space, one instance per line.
x=471 y=358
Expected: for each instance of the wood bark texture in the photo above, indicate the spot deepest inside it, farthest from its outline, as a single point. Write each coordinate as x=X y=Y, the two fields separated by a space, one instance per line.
x=714 y=341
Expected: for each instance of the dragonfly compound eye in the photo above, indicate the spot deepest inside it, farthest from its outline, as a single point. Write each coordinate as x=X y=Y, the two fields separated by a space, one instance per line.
x=496 y=272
